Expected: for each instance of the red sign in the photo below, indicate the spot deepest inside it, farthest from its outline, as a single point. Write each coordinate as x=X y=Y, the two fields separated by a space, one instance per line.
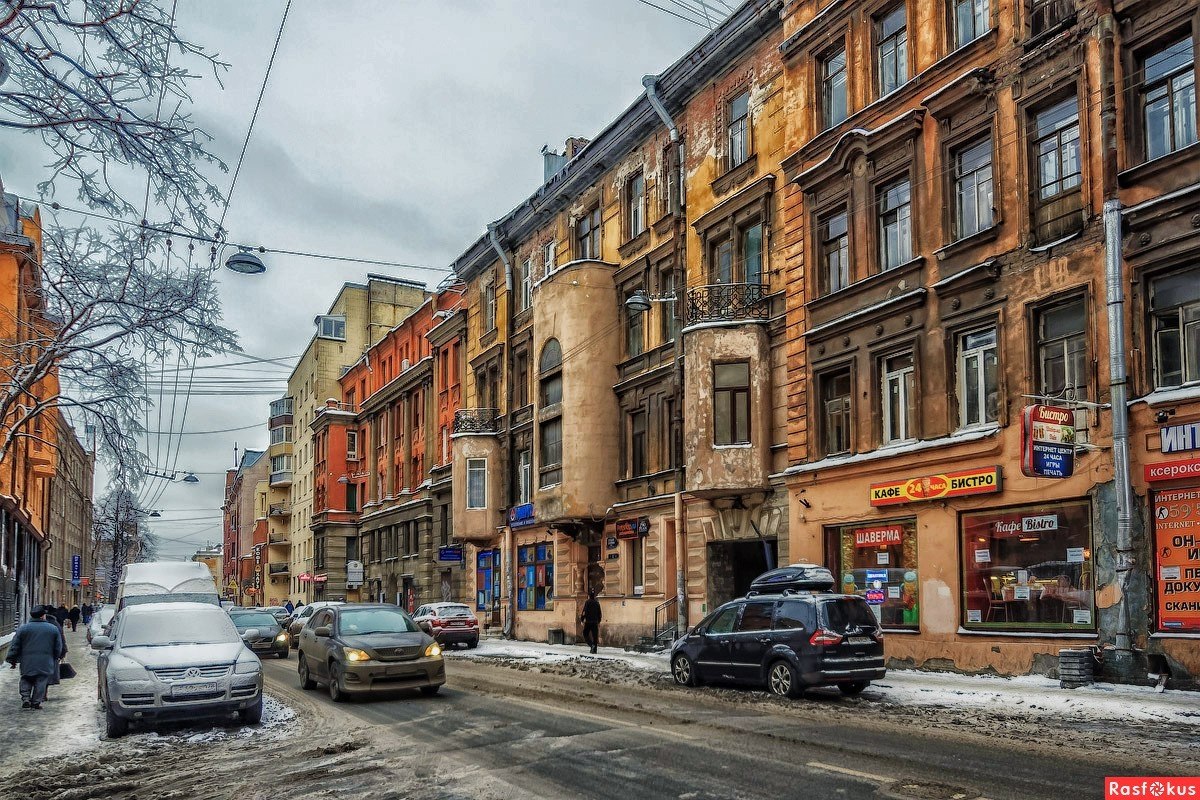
x=1177 y=559
x=633 y=528
x=984 y=480
x=1166 y=786
x=878 y=537
x=1173 y=470
x=304 y=577
x=320 y=578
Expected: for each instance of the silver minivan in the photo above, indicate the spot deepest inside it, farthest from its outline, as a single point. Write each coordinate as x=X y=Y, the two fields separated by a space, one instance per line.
x=176 y=660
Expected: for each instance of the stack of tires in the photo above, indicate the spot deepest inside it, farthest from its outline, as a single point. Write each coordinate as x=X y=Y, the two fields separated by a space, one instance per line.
x=1075 y=668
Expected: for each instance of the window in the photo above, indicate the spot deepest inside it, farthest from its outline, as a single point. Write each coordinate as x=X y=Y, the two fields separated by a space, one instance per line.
x=668 y=321
x=833 y=88
x=281 y=435
x=738 y=130
x=587 y=235
x=549 y=254
x=635 y=205
x=525 y=279
x=476 y=483
x=281 y=463
x=1029 y=568
x=723 y=262
x=635 y=335
x=637 y=443
x=835 y=412
x=892 y=49
x=1175 y=326
x=521 y=379
x=978 y=378
x=877 y=560
x=489 y=306
x=970 y=20
x=551 y=452
x=756 y=617
x=550 y=374
x=1058 y=171
x=1062 y=364
x=1047 y=14
x=795 y=615
x=351 y=445
x=973 y=188
x=352 y=497
x=751 y=253
x=1169 y=98
x=899 y=400
x=670 y=433
x=524 y=476
x=331 y=327
x=637 y=565
x=535 y=577
x=731 y=403
x=723 y=621
x=835 y=253
x=895 y=225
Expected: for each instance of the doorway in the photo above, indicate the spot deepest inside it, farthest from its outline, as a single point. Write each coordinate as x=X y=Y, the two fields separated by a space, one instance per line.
x=732 y=566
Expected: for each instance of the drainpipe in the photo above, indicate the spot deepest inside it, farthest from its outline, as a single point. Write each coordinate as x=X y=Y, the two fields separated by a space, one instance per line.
x=650 y=82
x=510 y=584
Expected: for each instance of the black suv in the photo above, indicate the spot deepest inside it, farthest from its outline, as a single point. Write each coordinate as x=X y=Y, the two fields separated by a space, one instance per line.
x=789 y=633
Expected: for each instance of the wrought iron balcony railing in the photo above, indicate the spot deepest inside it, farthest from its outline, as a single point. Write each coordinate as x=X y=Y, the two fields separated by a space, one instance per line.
x=724 y=302
x=477 y=420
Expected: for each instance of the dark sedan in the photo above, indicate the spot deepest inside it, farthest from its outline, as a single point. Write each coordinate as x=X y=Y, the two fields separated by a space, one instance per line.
x=271 y=639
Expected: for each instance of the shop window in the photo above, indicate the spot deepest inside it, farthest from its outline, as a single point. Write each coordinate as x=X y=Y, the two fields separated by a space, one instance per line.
x=488 y=572
x=895 y=225
x=1176 y=554
x=1057 y=200
x=878 y=562
x=978 y=378
x=738 y=131
x=637 y=566
x=1168 y=95
x=587 y=235
x=835 y=412
x=1028 y=568
x=891 y=50
x=970 y=20
x=899 y=398
x=1175 y=325
x=833 y=88
x=835 y=253
x=731 y=403
x=535 y=577
x=973 y=211
x=476 y=483
x=1062 y=364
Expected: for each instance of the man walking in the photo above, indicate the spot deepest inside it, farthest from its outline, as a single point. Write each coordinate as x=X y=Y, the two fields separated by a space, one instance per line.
x=591 y=620
x=37 y=646
x=73 y=615
x=288 y=607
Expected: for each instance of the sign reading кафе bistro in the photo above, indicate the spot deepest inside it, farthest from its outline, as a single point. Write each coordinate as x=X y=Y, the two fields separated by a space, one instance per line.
x=961 y=483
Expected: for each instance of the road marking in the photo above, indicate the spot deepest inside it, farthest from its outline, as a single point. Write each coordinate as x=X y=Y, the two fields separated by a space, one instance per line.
x=866 y=776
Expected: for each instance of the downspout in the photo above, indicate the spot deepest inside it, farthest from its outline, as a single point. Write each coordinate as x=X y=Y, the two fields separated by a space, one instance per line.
x=650 y=82
x=510 y=583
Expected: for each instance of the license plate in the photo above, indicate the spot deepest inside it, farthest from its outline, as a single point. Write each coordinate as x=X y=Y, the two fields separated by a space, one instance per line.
x=193 y=688
x=859 y=640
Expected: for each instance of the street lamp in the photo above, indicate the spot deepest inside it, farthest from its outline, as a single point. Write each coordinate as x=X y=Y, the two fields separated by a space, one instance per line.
x=188 y=476
x=245 y=262
x=638 y=302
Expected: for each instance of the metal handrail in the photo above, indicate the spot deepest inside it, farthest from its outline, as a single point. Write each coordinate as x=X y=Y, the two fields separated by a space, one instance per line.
x=721 y=302
x=477 y=420
x=666 y=619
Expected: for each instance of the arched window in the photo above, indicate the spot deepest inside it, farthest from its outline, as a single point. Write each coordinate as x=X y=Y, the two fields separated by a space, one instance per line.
x=550 y=374
x=551 y=357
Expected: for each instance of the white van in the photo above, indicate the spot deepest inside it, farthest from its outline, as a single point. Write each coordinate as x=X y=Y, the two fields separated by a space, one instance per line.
x=166 y=582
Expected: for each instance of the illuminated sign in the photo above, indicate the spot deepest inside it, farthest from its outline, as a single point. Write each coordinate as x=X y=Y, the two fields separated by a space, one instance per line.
x=1048 y=442
x=878 y=537
x=1177 y=559
x=962 y=483
x=1173 y=470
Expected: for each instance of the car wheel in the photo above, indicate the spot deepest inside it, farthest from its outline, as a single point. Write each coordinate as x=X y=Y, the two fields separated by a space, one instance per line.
x=783 y=681
x=853 y=689
x=306 y=681
x=114 y=726
x=253 y=714
x=336 y=693
x=430 y=691
x=684 y=671
x=471 y=645
x=284 y=654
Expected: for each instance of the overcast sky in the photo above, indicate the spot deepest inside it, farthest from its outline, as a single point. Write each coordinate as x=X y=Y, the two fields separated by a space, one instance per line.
x=389 y=130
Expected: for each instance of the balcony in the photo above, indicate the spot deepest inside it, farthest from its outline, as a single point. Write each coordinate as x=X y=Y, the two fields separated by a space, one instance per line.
x=477 y=420
x=281 y=478
x=279 y=510
x=277 y=538
x=280 y=568
x=336 y=407
x=282 y=411
x=727 y=302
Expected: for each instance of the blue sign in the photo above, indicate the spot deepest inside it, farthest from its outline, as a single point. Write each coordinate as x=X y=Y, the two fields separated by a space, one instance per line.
x=452 y=552
x=521 y=516
x=76 y=569
x=1053 y=460
x=877 y=575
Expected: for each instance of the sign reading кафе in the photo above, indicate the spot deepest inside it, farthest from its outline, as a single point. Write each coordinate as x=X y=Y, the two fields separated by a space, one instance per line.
x=1177 y=559
x=961 y=483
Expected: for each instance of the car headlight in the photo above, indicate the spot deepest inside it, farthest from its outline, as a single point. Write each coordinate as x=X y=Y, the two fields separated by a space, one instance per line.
x=353 y=654
x=124 y=674
x=281 y=637
x=433 y=650
x=247 y=667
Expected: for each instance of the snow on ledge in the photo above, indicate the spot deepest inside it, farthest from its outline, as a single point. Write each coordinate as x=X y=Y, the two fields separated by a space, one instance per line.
x=960 y=437
x=1176 y=394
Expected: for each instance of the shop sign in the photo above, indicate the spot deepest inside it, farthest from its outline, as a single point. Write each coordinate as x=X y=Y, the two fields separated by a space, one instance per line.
x=962 y=483
x=1048 y=442
x=877 y=575
x=452 y=552
x=876 y=597
x=86 y=581
x=610 y=543
x=320 y=578
x=76 y=569
x=521 y=516
x=1173 y=470
x=613 y=556
x=633 y=528
x=1177 y=557
x=354 y=573
x=1178 y=438
x=878 y=537
x=303 y=577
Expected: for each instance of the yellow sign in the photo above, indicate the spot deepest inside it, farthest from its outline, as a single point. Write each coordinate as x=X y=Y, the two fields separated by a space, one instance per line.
x=984 y=480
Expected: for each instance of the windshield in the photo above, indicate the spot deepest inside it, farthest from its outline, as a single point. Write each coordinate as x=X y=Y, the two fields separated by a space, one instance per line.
x=453 y=611
x=375 y=620
x=246 y=621
x=105 y=616
x=170 y=627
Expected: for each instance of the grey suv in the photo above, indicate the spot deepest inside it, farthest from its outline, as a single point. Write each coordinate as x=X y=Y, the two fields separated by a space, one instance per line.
x=785 y=638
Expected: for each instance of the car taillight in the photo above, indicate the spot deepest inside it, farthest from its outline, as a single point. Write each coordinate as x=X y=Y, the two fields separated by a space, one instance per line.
x=435 y=622
x=877 y=634
x=472 y=622
x=824 y=638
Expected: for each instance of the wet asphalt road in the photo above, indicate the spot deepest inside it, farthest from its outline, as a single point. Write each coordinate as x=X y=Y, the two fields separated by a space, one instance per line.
x=558 y=736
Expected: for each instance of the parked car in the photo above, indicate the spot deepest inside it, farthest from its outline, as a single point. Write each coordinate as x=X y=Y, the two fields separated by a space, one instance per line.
x=166 y=581
x=278 y=612
x=360 y=648
x=450 y=623
x=176 y=660
x=271 y=639
x=298 y=620
x=100 y=620
x=788 y=633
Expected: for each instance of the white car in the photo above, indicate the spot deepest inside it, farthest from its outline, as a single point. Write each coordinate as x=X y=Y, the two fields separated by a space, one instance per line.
x=450 y=623
x=100 y=619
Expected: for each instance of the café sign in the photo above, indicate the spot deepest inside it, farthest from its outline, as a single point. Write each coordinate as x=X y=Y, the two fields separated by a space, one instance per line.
x=961 y=483
x=1048 y=442
x=633 y=528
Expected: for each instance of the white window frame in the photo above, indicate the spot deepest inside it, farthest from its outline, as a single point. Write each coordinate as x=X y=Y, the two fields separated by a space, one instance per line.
x=978 y=355
x=549 y=256
x=527 y=284
x=903 y=378
x=524 y=476
x=282 y=435
x=331 y=326
x=476 y=470
x=636 y=204
x=351 y=445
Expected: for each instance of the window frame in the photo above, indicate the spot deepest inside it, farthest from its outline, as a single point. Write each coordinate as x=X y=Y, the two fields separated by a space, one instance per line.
x=635 y=205
x=737 y=130
x=634 y=329
x=550 y=471
x=956 y=153
x=525 y=293
x=1142 y=123
x=736 y=437
x=957 y=41
x=588 y=230
x=902 y=220
x=637 y=462
x=823 y=379
x=477 y=472
x=960 y=378
x=351 y=444
x=1071 y=222
x=827 y=82
x=899 y=41
x=1179 y=311
x=905 y=378
x=489 y=306
x=1041 y=343
x=821 y=222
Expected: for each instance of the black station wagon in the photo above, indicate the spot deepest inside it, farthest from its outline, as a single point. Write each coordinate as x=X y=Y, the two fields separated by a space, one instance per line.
x=788 y=633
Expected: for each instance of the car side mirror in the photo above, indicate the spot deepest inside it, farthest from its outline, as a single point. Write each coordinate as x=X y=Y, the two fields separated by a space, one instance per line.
x=101 y=643
x=250 y=633
x=425 y=626
x=323 y=631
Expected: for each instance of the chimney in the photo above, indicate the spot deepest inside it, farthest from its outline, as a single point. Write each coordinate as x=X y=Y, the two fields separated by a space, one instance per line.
x=575 y=146
x=552 y=162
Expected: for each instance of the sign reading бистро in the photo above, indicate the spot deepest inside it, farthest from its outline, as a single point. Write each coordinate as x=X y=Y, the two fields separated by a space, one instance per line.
x=961 y=483
x=1177 y=559
x=1048 y=442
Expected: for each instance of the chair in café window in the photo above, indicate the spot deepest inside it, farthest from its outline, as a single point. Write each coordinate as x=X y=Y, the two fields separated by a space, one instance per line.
x=995 y=599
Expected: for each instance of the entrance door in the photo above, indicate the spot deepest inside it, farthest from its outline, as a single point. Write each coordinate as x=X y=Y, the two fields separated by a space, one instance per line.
x=732 y=566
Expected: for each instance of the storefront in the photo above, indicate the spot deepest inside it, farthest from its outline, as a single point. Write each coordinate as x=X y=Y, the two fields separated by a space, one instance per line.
x=535 y=577
x=877 y=560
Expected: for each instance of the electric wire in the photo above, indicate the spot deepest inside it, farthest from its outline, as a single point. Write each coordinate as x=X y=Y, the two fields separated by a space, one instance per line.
x=673 y=14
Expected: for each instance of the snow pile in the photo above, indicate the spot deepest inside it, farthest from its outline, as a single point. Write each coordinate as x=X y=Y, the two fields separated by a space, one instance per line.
x=539 y=653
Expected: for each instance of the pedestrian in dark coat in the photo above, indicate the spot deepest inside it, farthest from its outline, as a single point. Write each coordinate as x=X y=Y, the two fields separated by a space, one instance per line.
x=73 y=615
x=591 y=620
x=86 y=613
x=288 y=607
x=61 y=613
x=37 y=647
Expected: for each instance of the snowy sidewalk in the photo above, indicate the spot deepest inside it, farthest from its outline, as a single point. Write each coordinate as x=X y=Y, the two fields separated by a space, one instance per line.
x=1031 y=695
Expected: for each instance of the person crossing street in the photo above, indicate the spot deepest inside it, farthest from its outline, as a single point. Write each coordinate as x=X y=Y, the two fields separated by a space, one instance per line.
x=37 y=646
